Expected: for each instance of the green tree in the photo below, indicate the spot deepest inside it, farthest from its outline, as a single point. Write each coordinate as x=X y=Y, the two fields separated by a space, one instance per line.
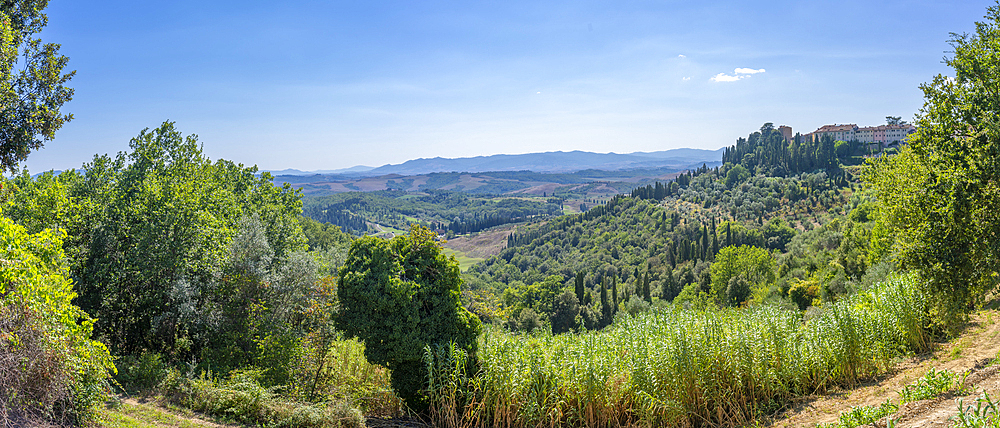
x=400 y=296
x=607 y=313
x=738 y=290
x=736 y=175
x=940 y=196
x=777 y=233
x=646 y=291
x=565 y=312
x=755 y=265
x=894 y=120
x=31 y=82
x=50 y=364
x=322 y=236
x=579 y=286
x=167 y=216
x=842 y=148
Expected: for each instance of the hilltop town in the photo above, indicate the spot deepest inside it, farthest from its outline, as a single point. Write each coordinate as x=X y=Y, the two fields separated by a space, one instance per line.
x=889 y=135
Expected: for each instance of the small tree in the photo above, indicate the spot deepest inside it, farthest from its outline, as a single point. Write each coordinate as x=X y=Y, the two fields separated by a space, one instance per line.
x=565 y=311
x=400 y=296
x=754 y=264
x=30 y=98
x=938 y=198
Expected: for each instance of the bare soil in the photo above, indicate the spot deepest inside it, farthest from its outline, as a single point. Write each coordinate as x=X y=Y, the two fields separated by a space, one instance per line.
x=973 y=352
x=484 y=244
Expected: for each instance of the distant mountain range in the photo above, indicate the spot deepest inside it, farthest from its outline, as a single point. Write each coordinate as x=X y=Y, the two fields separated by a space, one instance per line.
x=586 y=173
x=548 y=162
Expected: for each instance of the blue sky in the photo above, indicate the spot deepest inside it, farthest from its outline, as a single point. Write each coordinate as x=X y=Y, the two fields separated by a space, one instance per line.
x=326 y=84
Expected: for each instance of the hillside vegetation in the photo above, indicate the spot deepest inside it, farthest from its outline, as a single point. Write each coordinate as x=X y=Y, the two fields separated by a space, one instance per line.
x=658 y=250
x=459 y=213
x=715 y=299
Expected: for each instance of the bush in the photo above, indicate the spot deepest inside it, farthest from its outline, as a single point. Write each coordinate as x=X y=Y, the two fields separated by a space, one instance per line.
x=49 y=366
x=241 y=398
x=142 y=373
x=400 y=296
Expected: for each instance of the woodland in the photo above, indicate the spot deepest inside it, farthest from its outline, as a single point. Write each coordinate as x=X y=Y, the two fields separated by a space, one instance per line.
x=715 y=298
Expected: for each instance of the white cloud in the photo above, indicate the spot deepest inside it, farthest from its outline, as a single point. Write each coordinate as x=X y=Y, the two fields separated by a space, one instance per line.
x=681 y=56
x=686 y=78
x=723 y=77
x=739 y=74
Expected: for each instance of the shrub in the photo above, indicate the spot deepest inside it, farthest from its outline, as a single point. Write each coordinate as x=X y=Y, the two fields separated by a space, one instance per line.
x=49 y=366
x=142 y=373
x=241 y=398
x=398 y=297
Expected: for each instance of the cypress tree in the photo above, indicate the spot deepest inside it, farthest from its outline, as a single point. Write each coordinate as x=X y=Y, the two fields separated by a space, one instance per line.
x=668 y=287
x=670 y=256
x=614 y=293
x=605 y=306
x=646 y=292
x=704 y=243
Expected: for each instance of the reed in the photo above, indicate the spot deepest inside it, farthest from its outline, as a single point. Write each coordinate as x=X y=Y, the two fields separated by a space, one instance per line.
x=677 y=367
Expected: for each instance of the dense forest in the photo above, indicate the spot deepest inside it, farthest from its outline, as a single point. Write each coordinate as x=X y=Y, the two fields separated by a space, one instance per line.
x=456 y=211
x=656 y=250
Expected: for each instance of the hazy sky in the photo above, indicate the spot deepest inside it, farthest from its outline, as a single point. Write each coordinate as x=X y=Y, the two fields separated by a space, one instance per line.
x=328 y=84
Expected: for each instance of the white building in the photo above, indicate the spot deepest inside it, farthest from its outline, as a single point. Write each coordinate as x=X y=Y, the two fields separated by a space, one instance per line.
x=884 y=135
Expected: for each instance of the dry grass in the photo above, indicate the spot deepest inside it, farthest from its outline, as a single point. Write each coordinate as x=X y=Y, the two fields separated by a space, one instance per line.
x=482 y=245
x=33 y=377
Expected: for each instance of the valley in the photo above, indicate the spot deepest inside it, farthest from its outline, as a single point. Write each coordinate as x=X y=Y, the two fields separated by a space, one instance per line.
x=841 y=278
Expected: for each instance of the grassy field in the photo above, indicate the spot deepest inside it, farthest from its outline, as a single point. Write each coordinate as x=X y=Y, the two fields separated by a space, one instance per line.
x=464 y=261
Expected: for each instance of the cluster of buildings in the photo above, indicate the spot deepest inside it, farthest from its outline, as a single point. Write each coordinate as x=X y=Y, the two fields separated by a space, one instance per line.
x=884 y=135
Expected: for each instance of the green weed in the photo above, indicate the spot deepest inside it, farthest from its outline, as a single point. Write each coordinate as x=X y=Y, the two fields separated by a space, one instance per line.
x=241 y=398
x=982 y=415
x=933 y=384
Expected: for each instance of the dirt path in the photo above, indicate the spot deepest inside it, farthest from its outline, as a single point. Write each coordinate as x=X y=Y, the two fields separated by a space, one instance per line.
x=142 y=413
x=973 y=351
x=381 y=231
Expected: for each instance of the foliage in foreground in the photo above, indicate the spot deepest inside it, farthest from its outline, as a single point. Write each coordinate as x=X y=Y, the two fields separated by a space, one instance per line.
x=940 y=196
x=981 y=415
x=675 y=366
x=400 y=296
x=933 y=384
x=241 y=398
x=49 y=366
x=185 y=261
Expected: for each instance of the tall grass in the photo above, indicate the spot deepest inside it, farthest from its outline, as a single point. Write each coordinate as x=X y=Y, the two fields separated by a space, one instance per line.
x=678 y=367
x=331 y=385
x=241 y=398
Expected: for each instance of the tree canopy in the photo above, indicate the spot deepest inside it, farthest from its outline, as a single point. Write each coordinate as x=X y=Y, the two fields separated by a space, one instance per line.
x=400 y=296
x=753 y=266
x=940 y=196
x=32 y=82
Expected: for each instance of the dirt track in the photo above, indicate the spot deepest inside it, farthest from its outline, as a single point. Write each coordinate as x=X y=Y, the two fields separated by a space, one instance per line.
x=973 y=351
